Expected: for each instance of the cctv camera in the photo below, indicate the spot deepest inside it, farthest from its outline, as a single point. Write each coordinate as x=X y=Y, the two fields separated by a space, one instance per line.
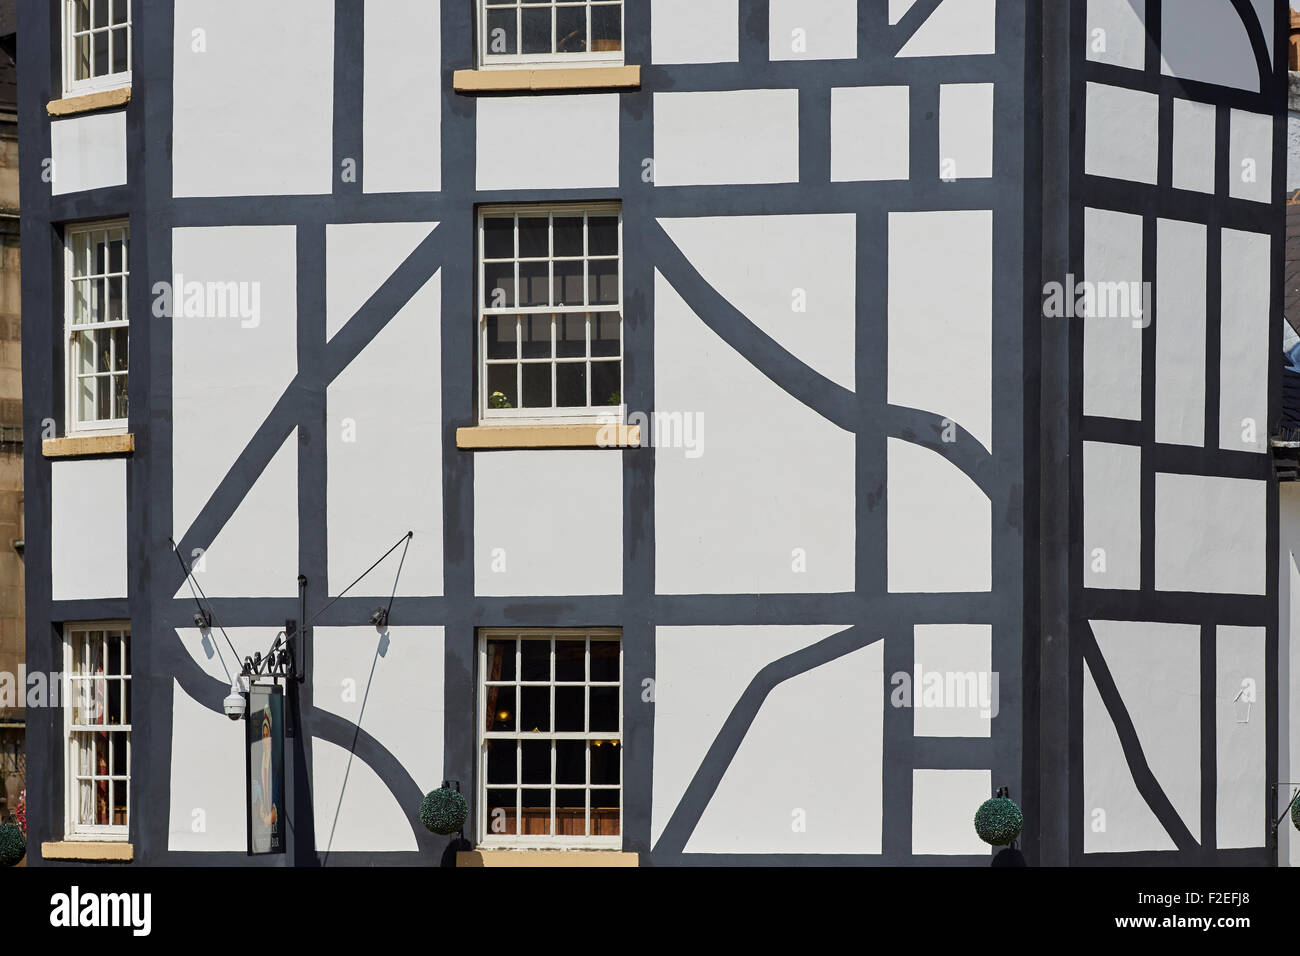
x=234 y=704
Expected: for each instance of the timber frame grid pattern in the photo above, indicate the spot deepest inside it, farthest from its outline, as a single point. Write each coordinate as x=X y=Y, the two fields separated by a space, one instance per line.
x=1010 y=475
x=1068 y=426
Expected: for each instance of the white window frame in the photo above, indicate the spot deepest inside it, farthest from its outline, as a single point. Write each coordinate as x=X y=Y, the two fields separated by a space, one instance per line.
x=485 y=837
x=95 y=84
x=73 y=424
x=509 y=61
x=602 y=414
x=89 y=831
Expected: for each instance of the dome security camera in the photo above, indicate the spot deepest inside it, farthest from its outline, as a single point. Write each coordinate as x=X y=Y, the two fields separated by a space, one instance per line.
x=234 y=704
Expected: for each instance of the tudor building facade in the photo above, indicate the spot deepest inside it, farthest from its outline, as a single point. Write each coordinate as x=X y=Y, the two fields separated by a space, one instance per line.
x=759 y=514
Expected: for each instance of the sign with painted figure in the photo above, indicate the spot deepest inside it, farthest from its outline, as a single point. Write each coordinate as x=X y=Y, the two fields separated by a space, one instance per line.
x=265 y=741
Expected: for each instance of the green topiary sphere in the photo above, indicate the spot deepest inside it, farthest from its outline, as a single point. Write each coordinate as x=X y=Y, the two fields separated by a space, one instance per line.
x=13 y=846
x=998 y=821
x=1295 y=814
x=443 y=811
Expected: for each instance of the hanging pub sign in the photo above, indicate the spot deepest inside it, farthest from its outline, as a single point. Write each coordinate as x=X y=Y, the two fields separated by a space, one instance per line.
x=265 y=742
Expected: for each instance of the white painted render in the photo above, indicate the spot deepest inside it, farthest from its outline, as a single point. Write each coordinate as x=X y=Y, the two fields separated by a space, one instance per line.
x=548 y=142
x=402 y=111
x=1122 y=141
x=1246 y=345
x=1112 y=343
x=1180 y=346
x=695 y=31
x=1193 y=145
x=1117 y=32
x=870 y=133
x=812 y=29
x=1112 y=516
x=1241 y=747
x=1210 y=534
x=733 y=136
x=88 y=529
x=88 y=152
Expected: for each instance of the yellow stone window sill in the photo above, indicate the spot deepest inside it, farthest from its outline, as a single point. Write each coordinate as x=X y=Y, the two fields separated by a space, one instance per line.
x=89 y=850
x=578 y=858
x=81 y=446
x=484 y=437
x=526 y=80
x=89 y=102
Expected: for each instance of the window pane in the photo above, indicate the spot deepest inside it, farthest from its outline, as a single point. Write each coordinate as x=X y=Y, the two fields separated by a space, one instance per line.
x=537 y=386
x=602 y=281
x=99 y=46
x=503 y=386
x=571 y=660
x=535 y=659
x=602 y=236
x=605 y=763
x=103 y=395
x=534 y=283
x=500 y=660
x=500 y=714
x=604 y=661
x=571 y=336
x=116 y=303
x=537 y=812
x=569 y=706
x=499 y=285
x=568 y=235
x=606 y=390
x=120 y=37
x=501 y=332
x=502 y=32
x=606 y=333
x=120 y=10
x=101 y=14
x=119 y=803
x=571 y=760
x=119 y=755
x=501 y=763
x=501 y=815
x=82 y=15
x=571 y=385
x=81 y=57
x=499 y=237
x=604 y=813
x=607 y=28
x=534 y=242
x=536 y=761
x=604 y=709
x=534 y=711
x=119 y=396
x=571 y=29
x=536 y=333
x=537 y=30
x=568 y=283
x=120 y=348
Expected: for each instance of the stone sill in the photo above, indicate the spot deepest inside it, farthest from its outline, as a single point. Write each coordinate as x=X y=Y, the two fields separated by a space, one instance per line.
x=89 y=102
x=526 y=80
x=548 y=436
x=82 y=446
x=89 y=850
x=516 y=858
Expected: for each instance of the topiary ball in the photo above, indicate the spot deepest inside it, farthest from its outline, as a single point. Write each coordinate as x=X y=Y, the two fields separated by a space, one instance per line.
x=998 y=821
x=1295 y=813
x=13 y=846
x=443 y=811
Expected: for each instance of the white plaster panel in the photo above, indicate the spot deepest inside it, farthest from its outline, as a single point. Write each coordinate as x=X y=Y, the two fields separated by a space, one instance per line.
x=700 y=674
x=227 y=372
x=897 y=8
x=812 y=29
x=870 y=133
x=953 y=692
x=1210 y=534
x=88 y=529
x=353 y=808
x=1116 y=817
x=1180 y=344
x=1122 y=40
x=943 y=811
x=965 y=130
x=359 y=258
x=548 y=522
x=547 y=142
x=207 y=778
x=253 y=114
x=1194 y=145
x=1250 y=156
x=1157 y=671
x=384 y=438
x=694 y=31
x=941 y=333
x=1122 y=138
x=390 y=685
x=939 y=522
x=1288 y=657
x=1205 y=40
x=792 y=276
x=956 y=28
x=211 y=652
x=1112 y=343
x=762 y=499
x=1247 y=339
x=1112 y=516
x=256 y=553
x=733 y=136
x=402 y=108
x=1241 y=740
x=824 y=730
x=88 y=152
